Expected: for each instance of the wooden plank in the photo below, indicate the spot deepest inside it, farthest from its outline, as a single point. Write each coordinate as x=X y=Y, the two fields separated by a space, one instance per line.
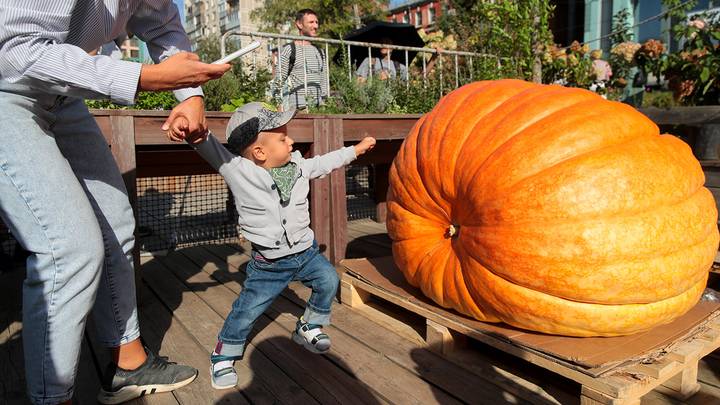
x=169 y=337
x=384 y=152
x=12 y=366
x=380 y=128
x=180 y=161
x=450 y=376
x=220 y=300
x=382 y=184
x=618 y=386
x=301 y=129
x=204 y=324
x=322 y=379
x=320 y=191
x=338 y=198
x=683 y=115
x=392 y=383
x=712 y=176
x=589 y=396
x=599 y=384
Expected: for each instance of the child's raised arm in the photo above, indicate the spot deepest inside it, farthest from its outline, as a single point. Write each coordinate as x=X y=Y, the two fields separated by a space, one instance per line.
x=319 y=166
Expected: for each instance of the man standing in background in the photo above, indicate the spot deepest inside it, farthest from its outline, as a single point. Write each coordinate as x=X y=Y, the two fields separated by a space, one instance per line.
x=301 y=74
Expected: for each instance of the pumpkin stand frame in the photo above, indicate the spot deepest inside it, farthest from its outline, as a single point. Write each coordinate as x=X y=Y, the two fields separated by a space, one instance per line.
x=671 y=369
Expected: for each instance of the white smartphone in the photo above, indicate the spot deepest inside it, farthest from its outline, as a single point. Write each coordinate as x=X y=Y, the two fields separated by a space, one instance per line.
x=240 y=52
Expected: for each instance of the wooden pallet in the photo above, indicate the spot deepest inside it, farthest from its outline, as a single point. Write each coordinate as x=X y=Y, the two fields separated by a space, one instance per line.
x=672 y=371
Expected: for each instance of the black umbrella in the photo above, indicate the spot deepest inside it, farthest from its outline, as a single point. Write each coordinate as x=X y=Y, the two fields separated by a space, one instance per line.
x=375 y=32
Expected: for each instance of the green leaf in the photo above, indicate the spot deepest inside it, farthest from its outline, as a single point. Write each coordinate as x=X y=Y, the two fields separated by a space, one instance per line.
x=705 y=74
x=707 y=86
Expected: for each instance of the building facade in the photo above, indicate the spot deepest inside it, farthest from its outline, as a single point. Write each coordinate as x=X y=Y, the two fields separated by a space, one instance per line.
x=205 y=18
x=591 y=20
x=421 y=14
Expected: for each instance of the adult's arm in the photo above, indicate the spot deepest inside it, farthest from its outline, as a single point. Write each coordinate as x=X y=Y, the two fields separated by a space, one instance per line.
x=33 y=51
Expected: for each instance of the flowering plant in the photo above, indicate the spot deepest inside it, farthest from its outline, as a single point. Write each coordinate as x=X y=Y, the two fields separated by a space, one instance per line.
x=650 y=57
x=693 y=73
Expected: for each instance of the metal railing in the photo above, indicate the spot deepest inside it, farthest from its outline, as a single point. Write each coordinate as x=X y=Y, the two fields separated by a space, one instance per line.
x=282 y=39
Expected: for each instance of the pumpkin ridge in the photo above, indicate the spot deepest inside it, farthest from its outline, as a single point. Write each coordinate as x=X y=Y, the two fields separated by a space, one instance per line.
x=429 y=222
x=491 y=268
x=711 y=231
x=650 y=205
x=491 y=287
x=424 y=275
x=447 y=109
x=395 y=172
x=428 y=210
x=542 y=172
x=469 y=307
x=500 y=149
x=588 y=217
x=536 y=94
x=417 y=160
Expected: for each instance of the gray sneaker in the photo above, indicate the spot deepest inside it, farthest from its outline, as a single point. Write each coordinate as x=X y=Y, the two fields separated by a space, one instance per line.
x=155 y=375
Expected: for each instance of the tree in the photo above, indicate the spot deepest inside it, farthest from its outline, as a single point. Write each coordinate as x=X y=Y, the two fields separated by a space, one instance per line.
x=514 y=30
x=336 y=17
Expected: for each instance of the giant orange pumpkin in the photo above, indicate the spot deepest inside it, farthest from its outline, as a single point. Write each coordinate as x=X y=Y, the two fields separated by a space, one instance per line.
x=550 y=209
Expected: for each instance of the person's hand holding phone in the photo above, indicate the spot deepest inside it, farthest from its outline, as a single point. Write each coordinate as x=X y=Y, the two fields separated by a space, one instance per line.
x=179 y=71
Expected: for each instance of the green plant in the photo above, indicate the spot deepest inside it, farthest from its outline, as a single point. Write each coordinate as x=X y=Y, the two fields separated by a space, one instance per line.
x=660 y=99
x=693 y=73
x=623 y=49
x=651 y=57
x=516 y=31
x=569 y=67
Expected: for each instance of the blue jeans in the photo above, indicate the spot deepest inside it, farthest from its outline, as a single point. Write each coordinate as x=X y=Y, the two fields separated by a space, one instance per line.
x=266 y=279
x=63 y=198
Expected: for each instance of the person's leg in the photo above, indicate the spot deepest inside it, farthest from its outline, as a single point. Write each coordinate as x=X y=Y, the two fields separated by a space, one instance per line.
x=318 y=274
x=115 y=312
x=48 y=212
x=135 y=372
x=264 y=282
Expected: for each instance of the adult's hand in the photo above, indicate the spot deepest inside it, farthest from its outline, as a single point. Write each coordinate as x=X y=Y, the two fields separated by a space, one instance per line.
x=187 y=121
x=179 y=71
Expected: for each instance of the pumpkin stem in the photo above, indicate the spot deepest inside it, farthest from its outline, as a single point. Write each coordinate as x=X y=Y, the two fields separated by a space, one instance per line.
x=453 y=230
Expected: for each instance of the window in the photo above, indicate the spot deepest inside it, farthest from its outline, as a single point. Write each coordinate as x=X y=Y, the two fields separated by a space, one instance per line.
x=406 y=18
x=431 y=14
x=418 y=18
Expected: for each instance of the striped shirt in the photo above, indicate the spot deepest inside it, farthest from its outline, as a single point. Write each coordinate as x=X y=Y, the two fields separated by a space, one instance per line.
x=45 y=44
x=293 y=85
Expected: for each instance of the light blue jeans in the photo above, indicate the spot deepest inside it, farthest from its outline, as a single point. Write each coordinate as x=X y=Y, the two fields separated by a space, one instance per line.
x=266 y=279
x=63 y=198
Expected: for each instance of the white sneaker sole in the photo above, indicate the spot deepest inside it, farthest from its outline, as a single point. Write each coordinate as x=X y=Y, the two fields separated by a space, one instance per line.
x=136 y=391
x=307 y=345
x=217 y=386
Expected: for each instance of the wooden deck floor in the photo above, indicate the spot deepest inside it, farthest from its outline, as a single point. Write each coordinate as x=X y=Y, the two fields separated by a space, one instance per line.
x=185 y=296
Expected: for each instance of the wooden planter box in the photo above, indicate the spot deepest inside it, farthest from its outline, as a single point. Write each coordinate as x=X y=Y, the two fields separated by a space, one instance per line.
x=141 y=149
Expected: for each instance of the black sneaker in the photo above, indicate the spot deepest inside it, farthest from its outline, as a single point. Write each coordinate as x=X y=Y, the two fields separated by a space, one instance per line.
x=155 y=375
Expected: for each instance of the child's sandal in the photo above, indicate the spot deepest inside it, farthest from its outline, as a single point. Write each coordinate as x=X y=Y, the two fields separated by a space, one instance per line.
x=311 y=337
x=224 y=376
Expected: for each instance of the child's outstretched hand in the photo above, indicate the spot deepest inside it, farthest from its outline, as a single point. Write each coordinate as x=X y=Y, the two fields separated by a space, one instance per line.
x=365 y=145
